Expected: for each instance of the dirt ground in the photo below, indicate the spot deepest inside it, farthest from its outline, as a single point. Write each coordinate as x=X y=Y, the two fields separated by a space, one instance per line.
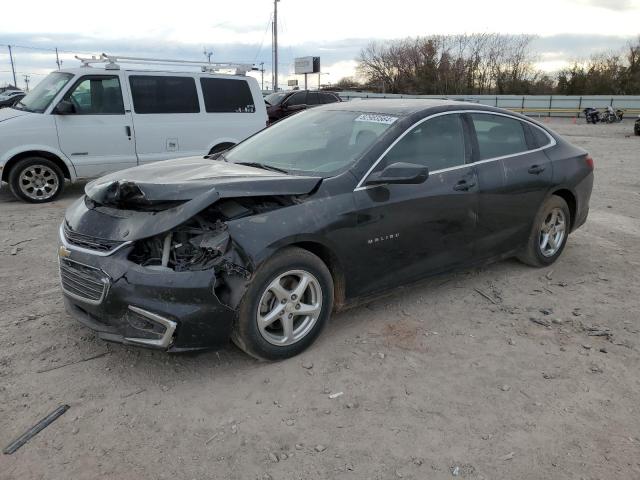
x=437 y=380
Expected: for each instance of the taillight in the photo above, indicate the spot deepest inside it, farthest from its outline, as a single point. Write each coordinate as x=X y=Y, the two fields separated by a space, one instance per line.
x=589 y=160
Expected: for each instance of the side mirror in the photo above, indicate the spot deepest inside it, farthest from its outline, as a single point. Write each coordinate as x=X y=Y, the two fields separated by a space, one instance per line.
x=399 y=173
x=65 y=107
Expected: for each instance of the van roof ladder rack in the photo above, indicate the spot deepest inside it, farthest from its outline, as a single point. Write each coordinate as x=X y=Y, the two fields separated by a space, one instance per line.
x=112 y=63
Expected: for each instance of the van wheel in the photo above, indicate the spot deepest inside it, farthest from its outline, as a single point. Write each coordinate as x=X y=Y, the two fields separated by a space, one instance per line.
x=221 y=147
x=36 y=180
x=285 y=307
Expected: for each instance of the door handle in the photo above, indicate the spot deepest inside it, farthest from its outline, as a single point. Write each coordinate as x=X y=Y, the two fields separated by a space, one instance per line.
x=535 y=169
x=128 y=130
x=463 y=186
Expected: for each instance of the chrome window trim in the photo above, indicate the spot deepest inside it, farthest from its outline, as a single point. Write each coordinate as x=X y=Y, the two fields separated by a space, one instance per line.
x=552 y=142
x=88 y=251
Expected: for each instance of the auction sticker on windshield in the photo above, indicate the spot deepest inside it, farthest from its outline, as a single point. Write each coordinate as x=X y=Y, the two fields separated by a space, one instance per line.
x=376 y=118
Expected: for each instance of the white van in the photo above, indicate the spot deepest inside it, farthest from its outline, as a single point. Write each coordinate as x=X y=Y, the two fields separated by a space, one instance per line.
x=85 y=122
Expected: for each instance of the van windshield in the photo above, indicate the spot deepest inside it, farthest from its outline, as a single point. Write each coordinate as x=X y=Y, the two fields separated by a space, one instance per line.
x=38 y=99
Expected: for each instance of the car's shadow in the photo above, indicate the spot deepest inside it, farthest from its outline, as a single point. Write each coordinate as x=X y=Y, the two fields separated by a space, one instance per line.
x=343 y=329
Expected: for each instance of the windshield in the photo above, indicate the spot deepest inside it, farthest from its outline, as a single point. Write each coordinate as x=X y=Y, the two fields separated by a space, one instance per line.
x=38 y=99
x=274 y=98
x=313 y=142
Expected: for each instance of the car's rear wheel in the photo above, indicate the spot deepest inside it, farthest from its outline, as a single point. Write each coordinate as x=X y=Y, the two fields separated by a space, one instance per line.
x=36 y=180
x=549 y=234
x=285 y=307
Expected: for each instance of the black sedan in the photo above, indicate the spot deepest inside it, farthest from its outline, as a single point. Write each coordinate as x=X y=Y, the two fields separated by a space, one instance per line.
x=283 y=104
x=262 y=242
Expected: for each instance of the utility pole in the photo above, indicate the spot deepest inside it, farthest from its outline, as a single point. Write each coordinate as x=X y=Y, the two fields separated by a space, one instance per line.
x=13 y=68
x=26 y=81
x=275 y=45
x=262 y=75
x=57 y=59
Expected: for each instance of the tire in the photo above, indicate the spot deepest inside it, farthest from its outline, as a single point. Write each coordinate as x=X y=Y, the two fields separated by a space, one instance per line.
x=268 y=341
x=47 y=180
x=534 y=253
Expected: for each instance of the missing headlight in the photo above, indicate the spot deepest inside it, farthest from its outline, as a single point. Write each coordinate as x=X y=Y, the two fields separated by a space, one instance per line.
x=197 y=245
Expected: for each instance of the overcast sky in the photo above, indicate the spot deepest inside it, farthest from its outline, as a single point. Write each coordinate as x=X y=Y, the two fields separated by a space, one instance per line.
x=334 y=30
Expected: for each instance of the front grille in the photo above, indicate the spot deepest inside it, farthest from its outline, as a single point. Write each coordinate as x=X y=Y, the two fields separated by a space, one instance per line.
x=82 y=281
x=89 y=242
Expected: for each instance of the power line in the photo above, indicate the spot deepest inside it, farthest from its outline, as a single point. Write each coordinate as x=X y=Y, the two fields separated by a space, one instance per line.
x=45 y=49
x=22 y=73
x=263 y=37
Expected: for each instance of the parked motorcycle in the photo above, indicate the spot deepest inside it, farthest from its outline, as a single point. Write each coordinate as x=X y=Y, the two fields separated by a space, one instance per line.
x=611 y=115
x=592 y=115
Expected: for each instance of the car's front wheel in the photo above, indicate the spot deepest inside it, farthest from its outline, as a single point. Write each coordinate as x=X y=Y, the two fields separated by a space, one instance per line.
x=285 y=307
x=549 y=234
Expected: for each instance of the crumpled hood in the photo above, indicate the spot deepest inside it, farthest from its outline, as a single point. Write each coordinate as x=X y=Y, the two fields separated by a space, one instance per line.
x=7 y=113
x=183 y=179
x=178 y=190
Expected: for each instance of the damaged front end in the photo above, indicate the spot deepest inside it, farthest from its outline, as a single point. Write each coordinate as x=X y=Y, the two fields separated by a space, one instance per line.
x=161 y=272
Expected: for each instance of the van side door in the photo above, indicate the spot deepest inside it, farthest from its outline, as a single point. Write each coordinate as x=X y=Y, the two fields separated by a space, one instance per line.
x=167 y=117
x=96 y=135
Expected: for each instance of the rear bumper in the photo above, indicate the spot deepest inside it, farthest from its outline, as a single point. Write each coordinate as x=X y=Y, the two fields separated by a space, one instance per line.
x=583 y=196
x=166 y=310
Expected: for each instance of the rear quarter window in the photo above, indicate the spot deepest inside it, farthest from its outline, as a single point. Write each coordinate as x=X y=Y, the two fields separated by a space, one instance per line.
x=540 y=138
x=328 y=98
x=227 y=96
x=153 y=94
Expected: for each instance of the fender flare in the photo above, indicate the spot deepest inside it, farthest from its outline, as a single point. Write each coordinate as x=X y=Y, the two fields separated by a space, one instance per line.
x=10 y=154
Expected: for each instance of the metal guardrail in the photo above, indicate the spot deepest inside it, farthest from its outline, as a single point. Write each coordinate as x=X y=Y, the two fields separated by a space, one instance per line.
x=540 y=105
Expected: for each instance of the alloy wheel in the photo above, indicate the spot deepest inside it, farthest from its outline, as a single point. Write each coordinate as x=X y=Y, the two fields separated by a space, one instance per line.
x=38 y=182
x=289 y=307
x=552 y=232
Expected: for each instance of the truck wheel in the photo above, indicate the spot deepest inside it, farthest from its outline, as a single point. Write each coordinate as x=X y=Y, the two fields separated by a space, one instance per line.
x=285 y=307
x=36 y=180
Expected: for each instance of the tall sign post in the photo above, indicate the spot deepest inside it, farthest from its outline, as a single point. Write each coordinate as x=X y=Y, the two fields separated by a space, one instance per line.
x=305 y=66
x=275 y=45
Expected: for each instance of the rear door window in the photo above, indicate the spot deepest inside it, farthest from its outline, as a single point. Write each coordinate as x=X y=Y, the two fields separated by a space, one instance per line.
x=153 y=94
x=498 y=136
x=312 y=98
x=223 y=95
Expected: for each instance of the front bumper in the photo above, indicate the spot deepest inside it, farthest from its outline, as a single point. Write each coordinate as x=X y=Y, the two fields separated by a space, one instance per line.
x=166 y=310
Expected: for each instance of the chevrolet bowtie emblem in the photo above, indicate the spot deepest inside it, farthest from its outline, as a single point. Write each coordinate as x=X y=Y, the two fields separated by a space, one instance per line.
x=63 y=252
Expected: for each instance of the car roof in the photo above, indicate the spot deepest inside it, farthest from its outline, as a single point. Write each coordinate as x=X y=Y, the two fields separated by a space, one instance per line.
x=395 y=106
